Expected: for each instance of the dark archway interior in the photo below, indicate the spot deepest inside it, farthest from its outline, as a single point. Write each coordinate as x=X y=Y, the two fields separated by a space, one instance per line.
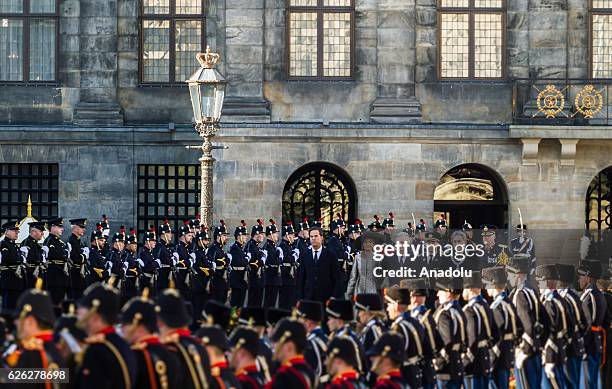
x=472 y=193
x=598 y=197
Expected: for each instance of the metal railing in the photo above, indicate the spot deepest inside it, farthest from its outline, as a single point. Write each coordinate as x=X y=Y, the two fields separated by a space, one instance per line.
x=570 y=101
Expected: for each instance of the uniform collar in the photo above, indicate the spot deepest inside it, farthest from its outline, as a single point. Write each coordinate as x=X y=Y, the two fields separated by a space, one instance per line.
x=180 y=332
x=45 y=336
x=107 y=330
x=293 y=361
x=252 y=368
x=391 y=374
x=220 y=365
x=347 y=375
x=149 y=339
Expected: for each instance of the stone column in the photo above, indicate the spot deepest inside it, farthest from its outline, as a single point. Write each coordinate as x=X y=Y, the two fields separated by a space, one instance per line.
x=396 y=56
x=69 y=56
x=244 y=70
x=98 y=62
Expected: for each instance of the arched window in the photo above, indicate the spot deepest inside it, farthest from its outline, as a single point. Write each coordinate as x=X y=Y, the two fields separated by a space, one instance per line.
x=598 y=201
x=472 y=193
x=319 y=190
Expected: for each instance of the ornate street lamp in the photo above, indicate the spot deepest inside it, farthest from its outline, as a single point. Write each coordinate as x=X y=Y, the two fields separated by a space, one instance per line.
x=207 y=91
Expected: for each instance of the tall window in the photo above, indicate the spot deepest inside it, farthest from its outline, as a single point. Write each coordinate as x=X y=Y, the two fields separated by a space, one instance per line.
x=28 y=40
x=471 y=39
x=172 y=32
x=601 y=38
x=167 y=191
x=320 y=39
x=20 y=180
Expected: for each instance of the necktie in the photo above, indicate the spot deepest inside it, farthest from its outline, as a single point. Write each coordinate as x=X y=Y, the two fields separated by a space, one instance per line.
x=316 y=256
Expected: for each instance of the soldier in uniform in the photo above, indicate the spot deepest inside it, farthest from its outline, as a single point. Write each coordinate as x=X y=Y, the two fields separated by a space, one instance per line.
x=69 y=339
x=217 y=256
x=302 y=235
x=173 y=321
x=239 y=266
x=527 y=364
x=507 y=322
x=416 y=351
x=375 y=226
x=114 y=261
x=310 y=314
x=353 y=243
x=339 y=318
x=255 y=317
x=273 y=260
x=492 y=250
x=370 y=314
x=32 y=249
x=194 y=228
x=216 y=343
x=289 y=340
x=12 y=268
x=244 y=343
x=595 y=306
x=184 y=259
x=577 y=326
x=523 y=244
x=335 y=243
x=131 y=284
x=156 y=366
x=148 y=263
x=96 y=263
x=469 y=232
x=451 y=324
x=556 y=338
x=105 y=224
x=163 y=251
x=289 y=268
x=482 y=333
x=78 y=258
x=256 y=265
x=217 y=313
x=386 y=357
x=107 y=360
x=34 y=319
x=341 y=363
x=56 y=251
x=202 y=270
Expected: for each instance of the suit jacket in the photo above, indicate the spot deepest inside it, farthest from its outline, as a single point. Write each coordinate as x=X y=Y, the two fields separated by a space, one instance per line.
x=318 y=281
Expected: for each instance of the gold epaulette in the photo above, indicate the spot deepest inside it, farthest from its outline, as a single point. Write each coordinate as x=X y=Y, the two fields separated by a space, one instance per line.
x=33 y=343
x=99 y=272
x=97 y=338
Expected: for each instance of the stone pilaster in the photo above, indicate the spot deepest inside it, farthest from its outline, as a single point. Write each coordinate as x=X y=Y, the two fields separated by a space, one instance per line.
x=244 y=65
x=98 y=64
x=396 y=57
x=69 y=72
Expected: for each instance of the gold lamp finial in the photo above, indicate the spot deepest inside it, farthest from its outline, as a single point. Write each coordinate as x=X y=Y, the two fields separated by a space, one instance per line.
x=208 y=59
x=29 y=209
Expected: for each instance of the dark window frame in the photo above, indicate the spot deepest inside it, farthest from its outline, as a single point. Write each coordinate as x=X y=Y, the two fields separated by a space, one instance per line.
x=591 y=12
x=471 y=10
x=319 y=9
x=172 y=17
x=26 y=16
x=177 y=219
x=25 y=176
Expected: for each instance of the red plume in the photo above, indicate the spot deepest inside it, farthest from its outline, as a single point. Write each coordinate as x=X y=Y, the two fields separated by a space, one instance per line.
x=391 y=215
x=272 y=221
x=222 y=222
x=151 y=228
x=132 y=230
x=243 y=223
x=104 y=218
x=259 y=222
x=99 y=227
x=197 y=216
x=185 y=222
x=305 y=219
x=339 y=216
x=122 y=229
x=357 y=221
x=166 y=221
x=376 y=217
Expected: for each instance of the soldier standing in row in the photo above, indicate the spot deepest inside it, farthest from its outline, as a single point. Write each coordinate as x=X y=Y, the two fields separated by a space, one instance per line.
x=310 y=314
x=289 y=340
x=163 y=251
x=256 y=265
x=523 y=245
x=58 y=271
x=302 y=235
x=96 y=263
x=238 y=277
x=78 y=258
x=289 y=268
x=217 y=256
x=12 y=272
x=148 y=263
x=32 y=249
x=244 y=343
x=114 y=260
x=273 y=280
x=335 y=243
x=131 y=284
x=201 y=272
x=370 y=314
x=183 y=259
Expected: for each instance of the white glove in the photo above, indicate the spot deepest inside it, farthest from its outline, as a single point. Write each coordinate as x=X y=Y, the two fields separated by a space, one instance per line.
x=519 y=358
x=85 y=251
x=248 y=255
x=108 y=271
x=296 y=254
x=69 y=248
x=264 y=256
x=45 y=250
x=348 y=249
x=281 y=255
x=192 y=258
x=0 y=257
x=175 y=258
x=140 y=262
x=125 y=267
x=108 y=265
x=549 y=370
x=229 y=258
x=24 y=253
x=158 y=262
x=214 y=266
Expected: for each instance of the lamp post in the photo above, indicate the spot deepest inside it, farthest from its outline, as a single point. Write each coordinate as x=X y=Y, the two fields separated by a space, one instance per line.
x=207 y=91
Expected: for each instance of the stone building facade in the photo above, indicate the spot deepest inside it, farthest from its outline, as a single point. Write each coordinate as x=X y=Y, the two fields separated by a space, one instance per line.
x=394 y=128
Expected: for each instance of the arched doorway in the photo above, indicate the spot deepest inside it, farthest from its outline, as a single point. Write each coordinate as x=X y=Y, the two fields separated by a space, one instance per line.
x=319 y=190
x=598 y=212
x=474 y=193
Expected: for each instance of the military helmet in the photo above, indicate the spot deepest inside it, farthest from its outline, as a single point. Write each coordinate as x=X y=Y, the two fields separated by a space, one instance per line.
x=203 y=233
x=288 y=229
x=221 y=229
x=150 y=235
x=184 y=229
x=271 y=228
x=303 y=225
x=165 y=227
x=131 y=237
x=338 y=222
x=389 y=221
x=257 y=228
x=242 y=229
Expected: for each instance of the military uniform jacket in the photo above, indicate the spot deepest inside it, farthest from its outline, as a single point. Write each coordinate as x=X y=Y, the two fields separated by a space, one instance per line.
x=335 y=245
x=554 y=347
x=391 y=380
x=57 y=260
x=97 y=265
x=509 y=327
x=223 y=377
x=289 y=263
x=431 y=341
x=594 y=304
x=451 y=324
x=107 y=362
x=577 y=323
x=371 y=332
x=413 y=335
x=115 y=263
x=33 y=251
x=78 y=259
x=523 y=247
x=202 y=270
x=346 y=380
x=273 y=265
x=256 y=264
x=294 y=373
x=529 y=310
x=149 y=264
x=183 y=266
x=217 y=256
x=157 y=367
x=194 y=366
x=491 y=256
x=316 y=351
x=363 y=367
x=482 y=334
x=132 y=269
x=36 y=352
x=12 y=274
x=162 y=252
x=251 y=378
x=239 y=274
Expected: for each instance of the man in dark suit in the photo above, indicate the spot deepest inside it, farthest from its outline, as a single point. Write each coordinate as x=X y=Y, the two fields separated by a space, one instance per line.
x=319 y=272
